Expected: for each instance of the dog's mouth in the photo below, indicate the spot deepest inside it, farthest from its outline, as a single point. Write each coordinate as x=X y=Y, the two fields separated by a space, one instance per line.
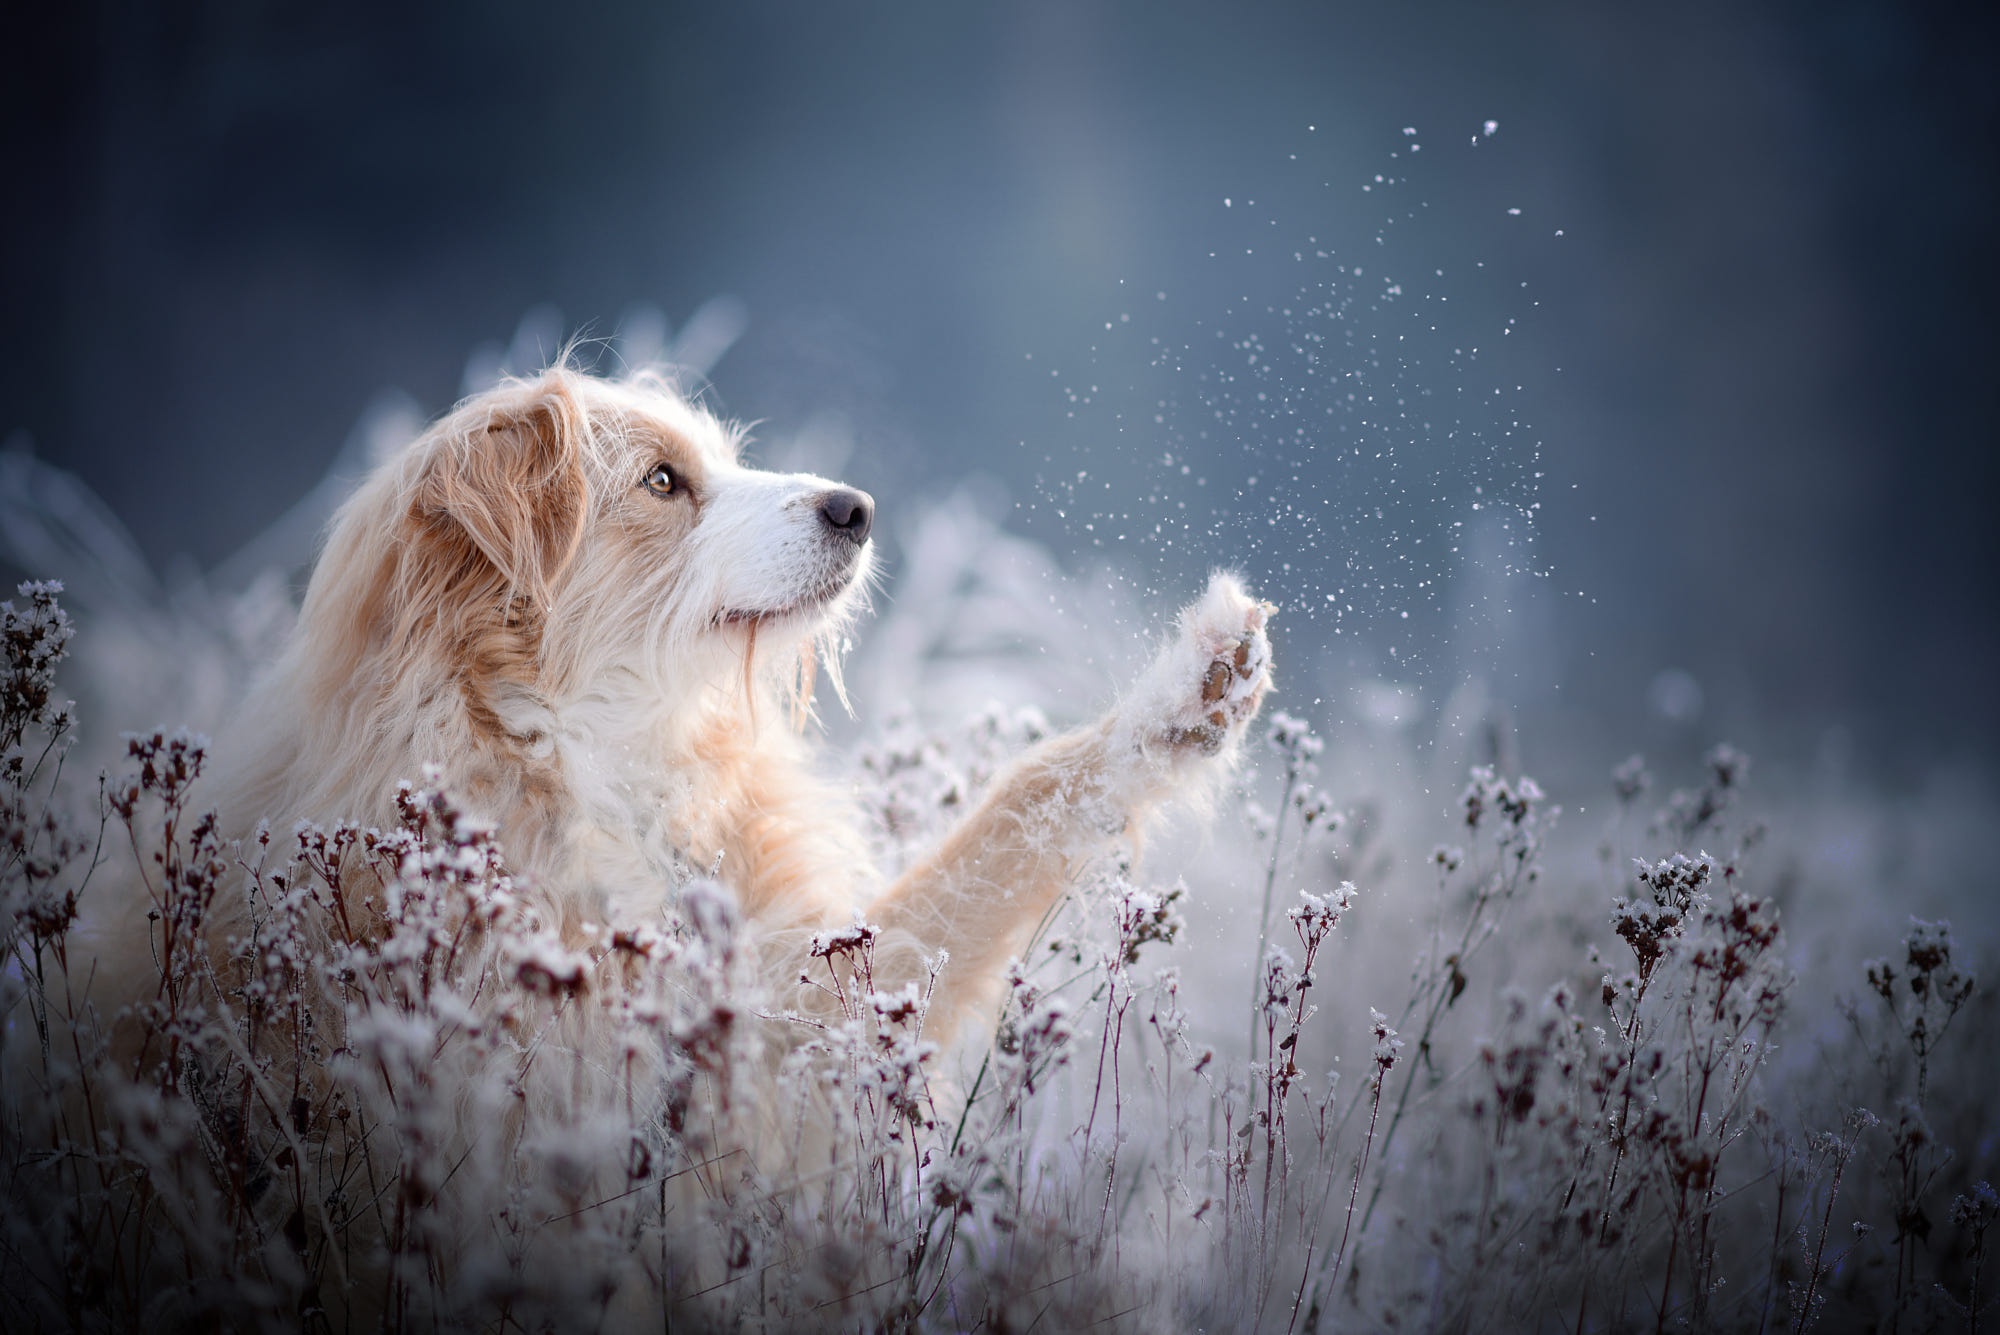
x=818 y=597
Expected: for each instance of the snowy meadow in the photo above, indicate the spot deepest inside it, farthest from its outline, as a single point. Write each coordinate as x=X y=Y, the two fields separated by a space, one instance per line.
x=1598 y=935
x=1396 y=1037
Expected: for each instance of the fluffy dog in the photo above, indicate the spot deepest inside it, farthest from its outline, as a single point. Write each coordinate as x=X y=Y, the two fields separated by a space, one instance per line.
x=573 y=599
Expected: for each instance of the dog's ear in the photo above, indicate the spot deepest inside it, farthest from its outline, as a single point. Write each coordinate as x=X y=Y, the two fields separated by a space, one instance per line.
x=509 y=480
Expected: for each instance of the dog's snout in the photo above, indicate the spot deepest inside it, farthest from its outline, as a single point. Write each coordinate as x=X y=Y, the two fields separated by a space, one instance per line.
x=849 y=513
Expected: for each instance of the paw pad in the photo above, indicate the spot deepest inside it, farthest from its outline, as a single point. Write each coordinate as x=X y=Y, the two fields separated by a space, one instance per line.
x=1216 y=683
x=1225 y=632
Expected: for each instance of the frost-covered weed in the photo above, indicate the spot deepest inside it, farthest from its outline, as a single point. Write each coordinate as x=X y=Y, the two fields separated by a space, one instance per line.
x=336 y=1084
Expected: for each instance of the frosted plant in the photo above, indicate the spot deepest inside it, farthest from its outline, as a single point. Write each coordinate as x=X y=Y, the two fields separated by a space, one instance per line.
x=1974 y=1212
x=35 y=638
x=42 y=841
x=1630 y=780
x=1925 y=995
x=1514 y=819
x=1693 y=811
x=1298 y=750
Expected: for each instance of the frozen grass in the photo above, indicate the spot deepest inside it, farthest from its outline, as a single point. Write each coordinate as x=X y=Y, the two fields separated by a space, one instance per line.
x=1502 y=1073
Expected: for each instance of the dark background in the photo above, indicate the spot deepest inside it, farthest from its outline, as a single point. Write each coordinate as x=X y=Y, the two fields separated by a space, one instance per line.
x=1754 y=370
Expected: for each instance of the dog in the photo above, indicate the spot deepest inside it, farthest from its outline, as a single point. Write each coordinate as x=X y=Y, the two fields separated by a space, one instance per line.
x=574 y=602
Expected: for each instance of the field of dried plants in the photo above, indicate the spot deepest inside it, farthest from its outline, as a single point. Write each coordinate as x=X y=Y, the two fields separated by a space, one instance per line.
x=1361 y=1057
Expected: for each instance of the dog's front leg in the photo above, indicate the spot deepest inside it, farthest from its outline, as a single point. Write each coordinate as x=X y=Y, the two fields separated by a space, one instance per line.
x=981 y=891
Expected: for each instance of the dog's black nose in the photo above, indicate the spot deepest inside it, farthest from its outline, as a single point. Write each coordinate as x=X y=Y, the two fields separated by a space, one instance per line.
x=849 y=513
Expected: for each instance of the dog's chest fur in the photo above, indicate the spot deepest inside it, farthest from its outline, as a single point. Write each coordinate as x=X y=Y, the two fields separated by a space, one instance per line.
x=659 y=792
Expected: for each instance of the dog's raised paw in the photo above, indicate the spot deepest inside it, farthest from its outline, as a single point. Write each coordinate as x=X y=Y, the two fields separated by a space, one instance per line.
x=1217 y=669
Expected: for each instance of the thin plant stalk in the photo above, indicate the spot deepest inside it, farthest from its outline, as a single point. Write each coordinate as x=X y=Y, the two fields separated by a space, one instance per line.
x=1264 y=913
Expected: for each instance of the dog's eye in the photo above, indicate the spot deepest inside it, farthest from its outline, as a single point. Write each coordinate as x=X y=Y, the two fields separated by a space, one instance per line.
x=660 y=480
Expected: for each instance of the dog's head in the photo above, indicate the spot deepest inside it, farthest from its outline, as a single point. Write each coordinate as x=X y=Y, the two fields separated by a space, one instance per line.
x=556 y=530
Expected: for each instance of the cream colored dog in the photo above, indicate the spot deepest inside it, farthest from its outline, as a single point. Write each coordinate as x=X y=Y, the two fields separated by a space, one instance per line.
x=573 y=599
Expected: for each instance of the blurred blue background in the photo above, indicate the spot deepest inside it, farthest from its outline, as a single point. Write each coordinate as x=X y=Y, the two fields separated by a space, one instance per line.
x=1721 y=390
